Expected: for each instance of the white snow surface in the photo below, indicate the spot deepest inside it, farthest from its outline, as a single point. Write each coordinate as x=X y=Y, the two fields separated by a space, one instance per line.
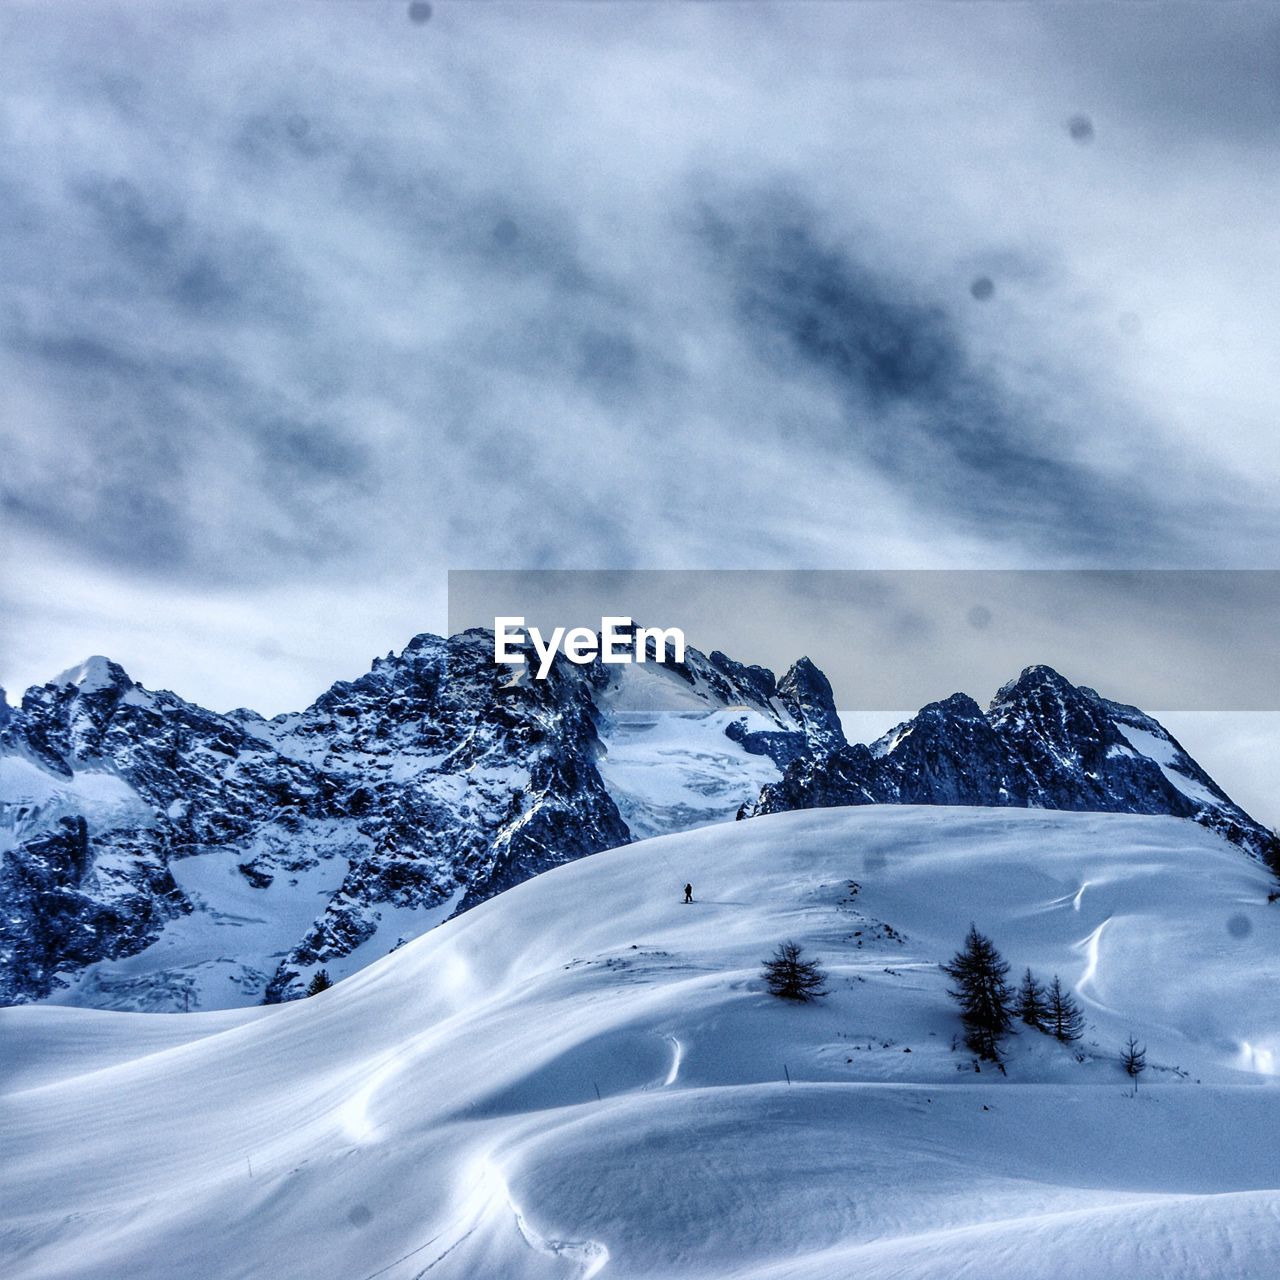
x=674 y=771
x=223 y=953
x=89 y=676
x=585 y=1077
x=35 y=799
x=668 y=764
x=1170 y=760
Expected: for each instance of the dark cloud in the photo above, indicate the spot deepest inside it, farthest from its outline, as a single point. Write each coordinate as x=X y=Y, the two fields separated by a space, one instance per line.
x=294 y=452
x=148 y=443
x=296 y=296
x=608 y=360
x=917 y=406
x=74 y=353
x=142 y=247
x=121 y=492
x=1185 y=72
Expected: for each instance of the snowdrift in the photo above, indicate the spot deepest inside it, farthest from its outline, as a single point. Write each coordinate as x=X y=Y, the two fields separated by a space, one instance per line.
x=584 y=1076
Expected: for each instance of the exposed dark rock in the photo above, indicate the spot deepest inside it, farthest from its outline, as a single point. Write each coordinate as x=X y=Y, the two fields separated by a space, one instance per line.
x=432 y=782
x=1043 y=743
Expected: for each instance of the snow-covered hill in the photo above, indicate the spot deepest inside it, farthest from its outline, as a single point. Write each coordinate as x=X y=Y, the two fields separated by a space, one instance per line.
x=583 y=1076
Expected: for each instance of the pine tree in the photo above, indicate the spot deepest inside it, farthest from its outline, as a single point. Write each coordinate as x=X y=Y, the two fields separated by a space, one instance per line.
x=1134 y=1060
x=792 y=978
x=978 y=972
x=1030 y=1004
x=321 y=982
x=1064 y=1019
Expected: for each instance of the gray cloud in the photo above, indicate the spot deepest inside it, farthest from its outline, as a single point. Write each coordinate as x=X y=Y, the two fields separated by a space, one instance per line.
x=295 y=297
x=917 y=406
x=1188 y=73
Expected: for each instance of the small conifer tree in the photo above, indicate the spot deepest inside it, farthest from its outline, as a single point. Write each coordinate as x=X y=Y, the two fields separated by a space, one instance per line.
x=790 y=977
x=1030 y=1004
x=978 y=973
x=1064 y=1019
x=1134 y=1060
x=320 y=982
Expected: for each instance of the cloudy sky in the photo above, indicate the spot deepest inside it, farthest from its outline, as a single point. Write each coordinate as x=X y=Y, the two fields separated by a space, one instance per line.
x=303 y=304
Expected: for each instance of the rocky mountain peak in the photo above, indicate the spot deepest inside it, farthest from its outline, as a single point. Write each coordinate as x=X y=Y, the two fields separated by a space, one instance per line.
x=806 y=694
x=94 y=675
x=959 y=707
x=1039 y=689
x=1044 y=742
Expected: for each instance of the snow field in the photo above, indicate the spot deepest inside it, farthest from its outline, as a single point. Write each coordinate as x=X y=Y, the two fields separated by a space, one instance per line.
x=584 y=1076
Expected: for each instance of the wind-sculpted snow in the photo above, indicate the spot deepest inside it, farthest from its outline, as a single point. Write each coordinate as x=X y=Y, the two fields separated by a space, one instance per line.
x=585 y=1076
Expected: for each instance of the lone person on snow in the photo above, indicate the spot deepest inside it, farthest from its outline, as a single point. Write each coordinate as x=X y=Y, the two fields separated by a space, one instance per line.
x=688 y=893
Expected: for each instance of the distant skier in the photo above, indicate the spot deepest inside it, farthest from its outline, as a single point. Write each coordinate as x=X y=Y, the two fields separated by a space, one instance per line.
x=688 y=893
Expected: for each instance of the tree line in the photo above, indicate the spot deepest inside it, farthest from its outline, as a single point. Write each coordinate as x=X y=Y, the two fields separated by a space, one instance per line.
x=989 y=1005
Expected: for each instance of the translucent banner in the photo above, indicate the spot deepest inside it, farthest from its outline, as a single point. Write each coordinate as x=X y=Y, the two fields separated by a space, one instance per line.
x=1166 y=640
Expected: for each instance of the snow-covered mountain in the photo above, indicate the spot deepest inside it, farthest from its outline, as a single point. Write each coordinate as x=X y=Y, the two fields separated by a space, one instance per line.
x=584 y=1077
x=155 y=855
x=160 y=856
x=1043 y=743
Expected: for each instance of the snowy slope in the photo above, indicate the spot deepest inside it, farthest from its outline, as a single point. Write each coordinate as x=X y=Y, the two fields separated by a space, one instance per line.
x=582 y=1076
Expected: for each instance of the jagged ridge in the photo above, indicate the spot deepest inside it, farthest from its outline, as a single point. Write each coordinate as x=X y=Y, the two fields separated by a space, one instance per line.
x=1043 y=743
x=425 y=786
x=433 y=782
